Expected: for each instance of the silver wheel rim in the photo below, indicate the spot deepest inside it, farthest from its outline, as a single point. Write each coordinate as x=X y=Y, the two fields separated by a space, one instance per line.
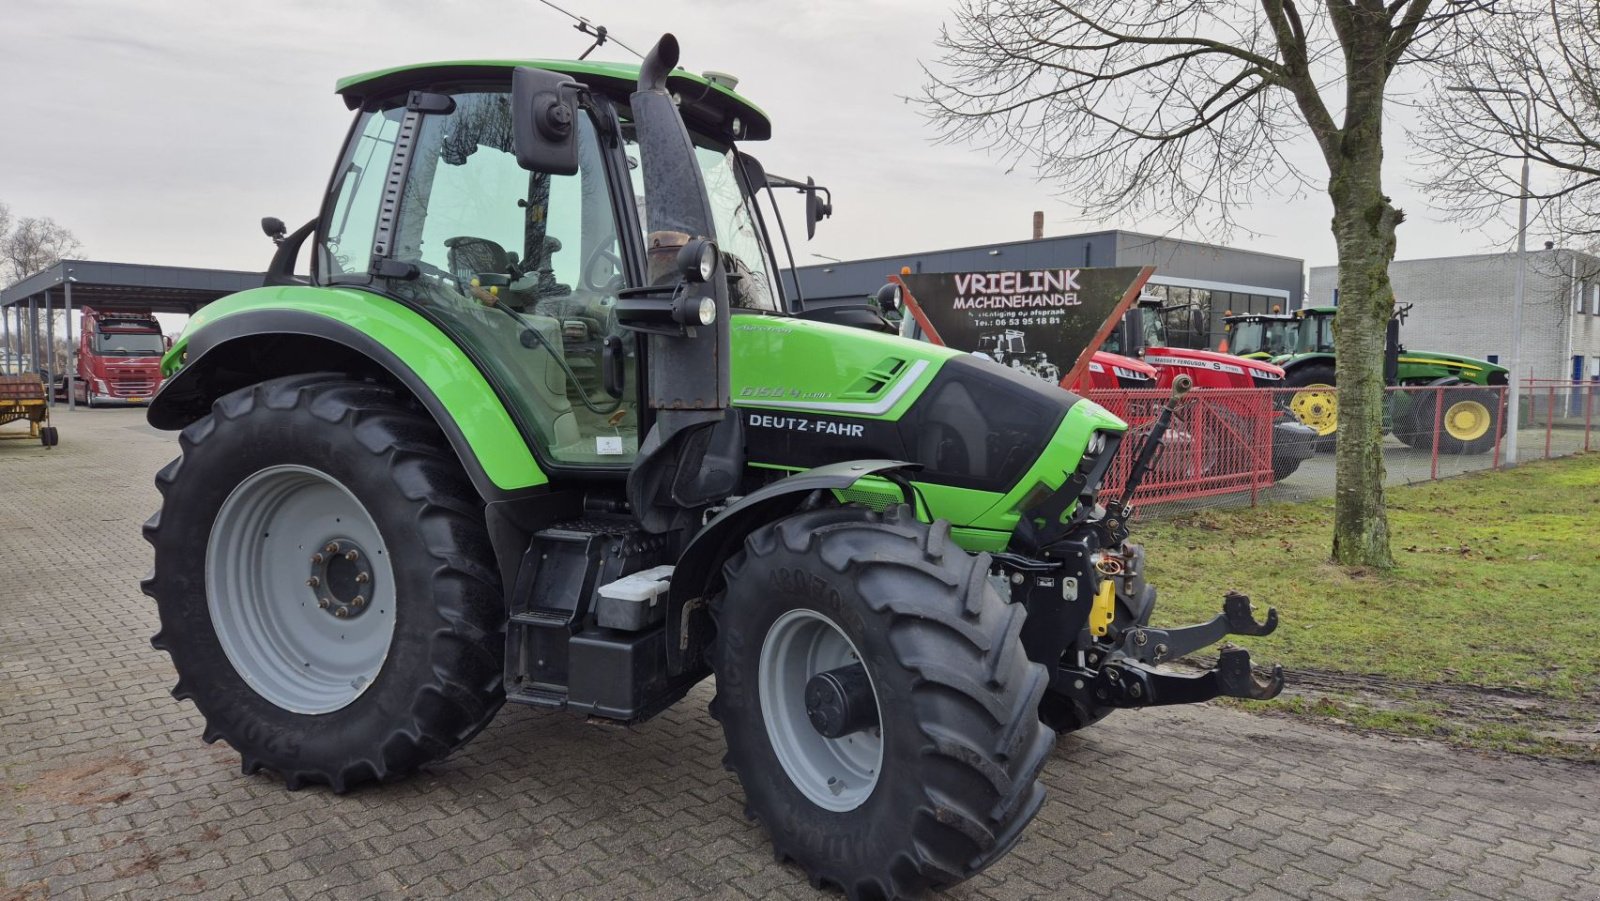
x=280 y=632
x=837 y=774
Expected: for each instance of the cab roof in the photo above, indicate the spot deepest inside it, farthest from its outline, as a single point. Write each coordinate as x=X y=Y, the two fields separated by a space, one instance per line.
x=704 y=103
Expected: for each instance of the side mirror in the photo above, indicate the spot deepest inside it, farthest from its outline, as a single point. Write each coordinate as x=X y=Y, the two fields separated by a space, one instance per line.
x=544 y=114
x=274 y=228
x=818 y=208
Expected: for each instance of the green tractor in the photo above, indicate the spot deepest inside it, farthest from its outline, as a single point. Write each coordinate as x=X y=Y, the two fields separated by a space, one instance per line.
x=1261 y=336
x=1470 y=422
x=540 y=426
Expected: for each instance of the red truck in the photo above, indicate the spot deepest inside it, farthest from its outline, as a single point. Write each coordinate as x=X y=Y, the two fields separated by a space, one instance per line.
x=118 y=358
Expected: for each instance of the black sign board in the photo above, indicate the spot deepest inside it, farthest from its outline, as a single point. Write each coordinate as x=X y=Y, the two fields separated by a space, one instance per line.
x=1047 y=322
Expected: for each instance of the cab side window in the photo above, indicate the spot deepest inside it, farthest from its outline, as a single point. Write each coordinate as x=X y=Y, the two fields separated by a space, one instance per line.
x=346 y=245
x=524 y=269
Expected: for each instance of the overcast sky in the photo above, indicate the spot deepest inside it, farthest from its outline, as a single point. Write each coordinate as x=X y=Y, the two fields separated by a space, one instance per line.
x=161 y=131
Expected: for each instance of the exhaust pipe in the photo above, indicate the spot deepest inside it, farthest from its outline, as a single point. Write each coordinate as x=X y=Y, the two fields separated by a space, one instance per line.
x=658 y=64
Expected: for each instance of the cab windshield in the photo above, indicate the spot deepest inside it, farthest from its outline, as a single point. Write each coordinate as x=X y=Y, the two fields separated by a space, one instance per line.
x=1272 y=336
x=113 y=344
x=744 y=253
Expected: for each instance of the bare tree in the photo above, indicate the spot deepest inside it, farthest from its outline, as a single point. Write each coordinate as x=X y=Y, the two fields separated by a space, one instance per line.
x=1187 y=108
x=34 y=244
x=1535 y=63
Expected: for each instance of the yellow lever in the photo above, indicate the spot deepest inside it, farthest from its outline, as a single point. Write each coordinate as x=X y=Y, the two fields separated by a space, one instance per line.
x=1104 y=608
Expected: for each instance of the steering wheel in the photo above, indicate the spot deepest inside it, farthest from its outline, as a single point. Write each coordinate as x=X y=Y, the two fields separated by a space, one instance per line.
x=611 y=285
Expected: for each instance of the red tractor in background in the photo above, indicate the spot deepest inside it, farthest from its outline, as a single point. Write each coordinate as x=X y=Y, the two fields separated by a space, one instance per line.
x=1239 y=420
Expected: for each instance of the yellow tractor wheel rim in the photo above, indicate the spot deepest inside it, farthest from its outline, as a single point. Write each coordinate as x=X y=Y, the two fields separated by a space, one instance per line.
x=1318 y=409
x=1466 y=420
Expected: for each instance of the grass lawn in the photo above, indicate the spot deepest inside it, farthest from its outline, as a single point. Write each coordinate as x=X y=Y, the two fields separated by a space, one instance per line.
x=1487 y=632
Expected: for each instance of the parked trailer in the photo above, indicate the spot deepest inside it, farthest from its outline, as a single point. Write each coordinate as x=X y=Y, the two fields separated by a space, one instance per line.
x=22 y=399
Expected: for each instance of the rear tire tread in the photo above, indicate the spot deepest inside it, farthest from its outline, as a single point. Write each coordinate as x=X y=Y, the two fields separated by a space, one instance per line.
x=465 y=686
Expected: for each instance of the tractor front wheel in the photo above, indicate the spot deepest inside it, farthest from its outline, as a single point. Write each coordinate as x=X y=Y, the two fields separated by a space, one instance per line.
x=1469 y=424
x=325 y=584
x=1317 y=403
x=878 y=706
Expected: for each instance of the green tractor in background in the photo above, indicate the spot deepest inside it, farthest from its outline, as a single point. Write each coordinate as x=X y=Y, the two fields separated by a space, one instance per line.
x=541 y=426
x=1470 y=422
x=1260 y=336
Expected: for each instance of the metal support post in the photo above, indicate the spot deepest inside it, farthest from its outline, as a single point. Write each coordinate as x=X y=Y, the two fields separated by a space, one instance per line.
x=33 y=335
x=70 y=380
x=50 y=350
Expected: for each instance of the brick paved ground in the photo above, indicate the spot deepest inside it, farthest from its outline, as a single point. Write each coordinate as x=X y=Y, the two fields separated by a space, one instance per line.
x=106 y=789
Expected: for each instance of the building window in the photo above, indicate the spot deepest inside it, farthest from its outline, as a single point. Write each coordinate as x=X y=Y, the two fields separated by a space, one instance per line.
x=1577 y=298
x=1594 y=303
x=1495 y=359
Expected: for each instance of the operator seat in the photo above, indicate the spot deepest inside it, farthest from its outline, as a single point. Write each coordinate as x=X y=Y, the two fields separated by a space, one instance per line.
x=469 y=255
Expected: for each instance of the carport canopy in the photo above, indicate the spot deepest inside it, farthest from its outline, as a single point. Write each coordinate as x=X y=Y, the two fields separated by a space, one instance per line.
x=28 y=307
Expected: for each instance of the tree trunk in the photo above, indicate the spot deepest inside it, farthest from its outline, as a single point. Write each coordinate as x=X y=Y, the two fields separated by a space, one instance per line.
x=1364 y=229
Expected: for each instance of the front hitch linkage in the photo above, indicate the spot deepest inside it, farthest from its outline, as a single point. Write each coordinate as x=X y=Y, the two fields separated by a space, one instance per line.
x=1129 y=680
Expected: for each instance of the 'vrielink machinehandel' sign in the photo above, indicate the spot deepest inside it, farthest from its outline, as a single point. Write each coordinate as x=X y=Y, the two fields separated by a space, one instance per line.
x=1047 y=322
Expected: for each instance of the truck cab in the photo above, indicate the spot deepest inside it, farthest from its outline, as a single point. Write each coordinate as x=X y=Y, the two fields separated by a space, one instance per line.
x=118 y=358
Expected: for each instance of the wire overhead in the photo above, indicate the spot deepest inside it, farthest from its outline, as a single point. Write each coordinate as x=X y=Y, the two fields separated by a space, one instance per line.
x=599 y=32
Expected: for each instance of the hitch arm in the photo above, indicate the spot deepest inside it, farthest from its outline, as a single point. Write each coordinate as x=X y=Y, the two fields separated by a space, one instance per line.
x=1148 y=645
x=1133 y=685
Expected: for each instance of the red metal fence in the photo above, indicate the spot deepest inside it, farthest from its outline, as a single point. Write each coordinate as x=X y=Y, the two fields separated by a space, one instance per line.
x=1219 y=442
x=1222 y=445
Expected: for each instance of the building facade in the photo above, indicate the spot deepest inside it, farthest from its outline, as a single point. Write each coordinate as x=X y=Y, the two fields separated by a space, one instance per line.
x=1199 y=283
x=1464 y=305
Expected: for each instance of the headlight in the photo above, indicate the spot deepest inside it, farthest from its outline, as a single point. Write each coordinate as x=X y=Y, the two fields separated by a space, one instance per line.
x=708 y=310
x=698 y=260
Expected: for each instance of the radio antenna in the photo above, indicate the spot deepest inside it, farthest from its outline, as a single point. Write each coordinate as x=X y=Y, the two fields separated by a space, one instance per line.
x=598 y=32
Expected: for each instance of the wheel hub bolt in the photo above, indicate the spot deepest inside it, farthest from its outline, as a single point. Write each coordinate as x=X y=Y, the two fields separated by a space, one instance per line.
x=341 y=577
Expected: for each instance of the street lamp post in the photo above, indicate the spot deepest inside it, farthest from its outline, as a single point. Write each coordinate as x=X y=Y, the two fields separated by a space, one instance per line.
x=1514 y=405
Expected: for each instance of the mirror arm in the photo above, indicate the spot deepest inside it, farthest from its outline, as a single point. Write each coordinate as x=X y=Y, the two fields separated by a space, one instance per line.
x=281 y=270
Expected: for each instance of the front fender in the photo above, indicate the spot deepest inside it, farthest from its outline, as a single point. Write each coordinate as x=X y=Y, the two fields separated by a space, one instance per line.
x=699 y=566
x=267 y=332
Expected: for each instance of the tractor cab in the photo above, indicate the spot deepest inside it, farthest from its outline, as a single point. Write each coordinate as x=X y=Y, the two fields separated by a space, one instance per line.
x=1143 y=334
x=1260 y=336
x=1313 y=331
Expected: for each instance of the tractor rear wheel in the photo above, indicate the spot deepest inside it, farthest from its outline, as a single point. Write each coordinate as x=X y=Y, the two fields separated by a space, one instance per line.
x=877 y=703
x=1466 y=421
x=1317 y=407
x=325 y=584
